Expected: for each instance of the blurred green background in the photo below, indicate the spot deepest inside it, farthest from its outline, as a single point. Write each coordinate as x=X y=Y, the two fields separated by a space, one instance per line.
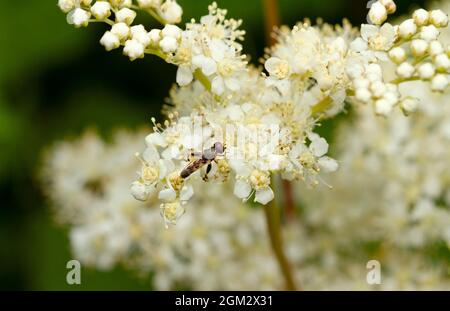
x=55 y=81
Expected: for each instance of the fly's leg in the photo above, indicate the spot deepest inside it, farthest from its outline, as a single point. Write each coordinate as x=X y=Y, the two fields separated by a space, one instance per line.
x=208 y=169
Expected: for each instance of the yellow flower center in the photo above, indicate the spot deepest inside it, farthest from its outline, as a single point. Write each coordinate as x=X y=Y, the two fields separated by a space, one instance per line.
x=259 y=179
x=170 y=210
x=149 y=174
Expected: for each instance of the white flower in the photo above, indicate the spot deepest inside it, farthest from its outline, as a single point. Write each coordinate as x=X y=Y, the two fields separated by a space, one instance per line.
x=378 y=39
x=257 y=182
x=171 y=212
x=110 y=41
x=277 y=67
x=227 y=65
x=101 y=9
x=78 y=17
x=140 y=191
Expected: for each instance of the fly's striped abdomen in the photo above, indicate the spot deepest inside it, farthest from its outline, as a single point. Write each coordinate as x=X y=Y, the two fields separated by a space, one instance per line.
x=191 y=168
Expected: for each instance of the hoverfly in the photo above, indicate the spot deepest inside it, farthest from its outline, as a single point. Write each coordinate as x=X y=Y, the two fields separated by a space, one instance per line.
x=205 y=158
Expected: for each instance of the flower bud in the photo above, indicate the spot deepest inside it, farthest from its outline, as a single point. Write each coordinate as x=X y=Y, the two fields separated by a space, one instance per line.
x=438 y=18
x=429 y=33
x=66 y=5
x=110 y=41
x=172 y=31
x=101 y=10
x=405 y=70
x=409 y=105
x=426 y=71
x=134 y=49
x=421 y=17
x=419 y=47
x=155 y=36
x=435 y=48
x=168 y=44
x=126 y=16
x=389 y=5
x=377 y=13
x=442 y=62
x=78 y=17
x=171 y=12
x=397 y=55
x=439 y=82
x=121 y=30
x=407 y=29
x=383 y=107
x=363 y=94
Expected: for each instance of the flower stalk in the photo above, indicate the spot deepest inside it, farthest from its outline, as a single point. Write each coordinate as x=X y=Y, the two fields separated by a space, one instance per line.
x=273 y=220
x=272 y=211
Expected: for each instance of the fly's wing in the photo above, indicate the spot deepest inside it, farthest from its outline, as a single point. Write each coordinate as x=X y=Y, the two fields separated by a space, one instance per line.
x=192 y=167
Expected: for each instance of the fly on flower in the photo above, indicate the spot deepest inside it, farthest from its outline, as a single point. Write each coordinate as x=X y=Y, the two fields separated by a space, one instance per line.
x=205 y=158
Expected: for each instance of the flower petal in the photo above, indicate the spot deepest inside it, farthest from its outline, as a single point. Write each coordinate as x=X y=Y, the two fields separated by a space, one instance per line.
x=217 y=86
x=186 y=192
x=328 y=164
x=184 y=75
x=264 y=195
x=242 y=189
x=167 y=195
x=368 y=31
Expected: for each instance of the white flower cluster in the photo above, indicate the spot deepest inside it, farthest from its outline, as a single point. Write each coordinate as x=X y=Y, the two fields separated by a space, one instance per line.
x=257 y=143
x=308 y=67
x=221 y=244
x=413 y=47
x=228 y=119
x=108 y=227
x=135 y=38
x=391 y=196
